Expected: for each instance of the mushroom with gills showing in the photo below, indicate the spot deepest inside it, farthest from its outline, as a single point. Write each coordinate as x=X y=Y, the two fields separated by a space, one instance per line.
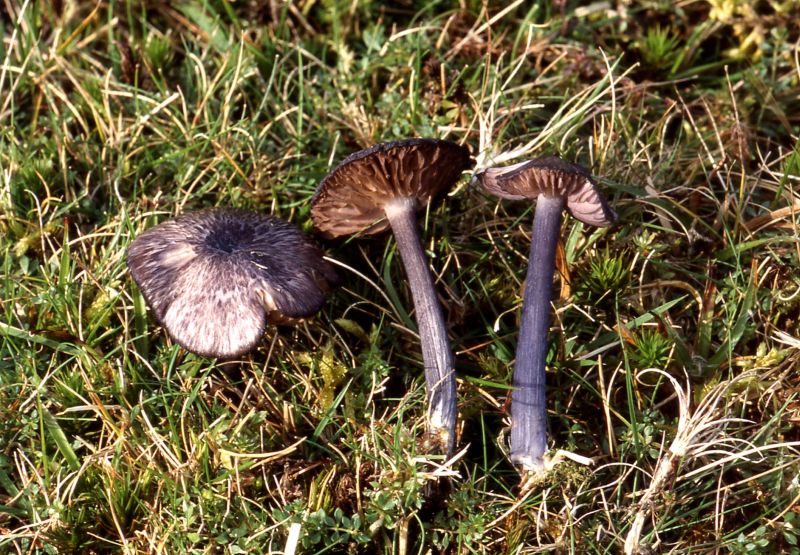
x=215 y=277
x=384 y=186
x=555 y=184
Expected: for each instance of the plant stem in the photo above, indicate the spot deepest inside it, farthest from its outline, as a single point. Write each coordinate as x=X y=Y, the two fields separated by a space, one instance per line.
x=436 y=352
x=528 y=400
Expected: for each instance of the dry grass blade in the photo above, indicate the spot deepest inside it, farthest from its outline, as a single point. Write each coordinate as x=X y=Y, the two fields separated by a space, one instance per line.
x=700 y=431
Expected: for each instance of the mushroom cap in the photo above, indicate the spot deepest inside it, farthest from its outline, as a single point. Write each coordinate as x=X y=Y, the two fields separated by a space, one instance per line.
x=350 y=199
x=551 y=176
x=214 y=277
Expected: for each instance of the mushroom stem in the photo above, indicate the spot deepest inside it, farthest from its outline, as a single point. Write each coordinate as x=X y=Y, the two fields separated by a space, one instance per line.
x=528 y=401
x=436 y=352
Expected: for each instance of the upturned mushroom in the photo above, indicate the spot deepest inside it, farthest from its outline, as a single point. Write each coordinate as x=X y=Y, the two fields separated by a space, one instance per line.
x=384 y=186
x=555 y=184
x=214 y=278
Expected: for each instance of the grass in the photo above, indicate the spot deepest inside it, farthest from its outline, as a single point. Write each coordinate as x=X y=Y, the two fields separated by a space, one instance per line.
x=677 y=332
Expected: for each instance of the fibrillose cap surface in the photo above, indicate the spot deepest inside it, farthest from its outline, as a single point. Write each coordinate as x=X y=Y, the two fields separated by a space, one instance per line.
x=552 y=176
x=350 y=199
x=215 y=277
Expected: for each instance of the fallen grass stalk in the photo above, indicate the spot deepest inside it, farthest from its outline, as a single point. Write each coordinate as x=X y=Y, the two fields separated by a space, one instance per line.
x=698 y=430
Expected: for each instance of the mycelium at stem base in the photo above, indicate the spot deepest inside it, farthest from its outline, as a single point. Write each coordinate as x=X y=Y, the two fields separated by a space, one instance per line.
x=528 y=400
x=436 y=352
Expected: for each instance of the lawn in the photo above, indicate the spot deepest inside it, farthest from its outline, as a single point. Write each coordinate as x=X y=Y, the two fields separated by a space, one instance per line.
x=675 y=338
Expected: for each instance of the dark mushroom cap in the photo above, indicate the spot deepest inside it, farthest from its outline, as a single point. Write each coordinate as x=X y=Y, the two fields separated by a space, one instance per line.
x=350 y=199
x=214 y=277
x=552 y=176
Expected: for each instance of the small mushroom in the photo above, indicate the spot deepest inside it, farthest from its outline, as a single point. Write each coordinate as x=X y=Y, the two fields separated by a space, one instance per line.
x=215 y=277
x=384 y=186
x=555 y=184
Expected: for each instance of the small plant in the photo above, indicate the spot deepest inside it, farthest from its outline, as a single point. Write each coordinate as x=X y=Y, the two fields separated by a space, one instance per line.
x=791 y=532
x=779 y=538
x=646 y=431
x=651 y=349
x=658 y=49
x=607 y=273
x=158 y=51
x=757 y=542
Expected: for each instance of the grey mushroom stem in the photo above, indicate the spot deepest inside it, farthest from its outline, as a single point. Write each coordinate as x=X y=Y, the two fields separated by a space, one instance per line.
x=437 y=354
x=528 y=401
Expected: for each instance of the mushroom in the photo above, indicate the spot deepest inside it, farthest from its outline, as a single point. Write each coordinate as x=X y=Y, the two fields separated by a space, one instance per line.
x=555 y=184
x=384 y=186
x=215 y=277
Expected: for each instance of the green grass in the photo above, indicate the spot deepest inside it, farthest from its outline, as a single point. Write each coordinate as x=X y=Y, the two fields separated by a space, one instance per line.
x=117 y=115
